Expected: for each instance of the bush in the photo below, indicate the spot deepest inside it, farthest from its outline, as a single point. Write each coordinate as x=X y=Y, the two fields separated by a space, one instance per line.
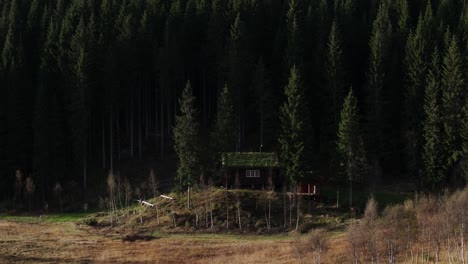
x=91 y=221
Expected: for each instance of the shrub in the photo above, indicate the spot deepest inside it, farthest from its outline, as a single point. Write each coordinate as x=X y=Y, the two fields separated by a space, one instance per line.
x=90 y=221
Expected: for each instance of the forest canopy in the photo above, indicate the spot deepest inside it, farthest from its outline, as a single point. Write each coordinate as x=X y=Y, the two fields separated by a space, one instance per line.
x=85 y=84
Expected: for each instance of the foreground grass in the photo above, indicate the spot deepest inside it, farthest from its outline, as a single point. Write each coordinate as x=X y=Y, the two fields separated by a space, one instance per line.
x=72 y=242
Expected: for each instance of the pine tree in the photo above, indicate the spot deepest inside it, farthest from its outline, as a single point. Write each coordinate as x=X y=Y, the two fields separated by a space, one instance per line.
x=335 y=77
x=335 y=69
x=186 y=139
x=49 y=149
x=464 y=136
x=77 y=98
x=33 y=16
x=403 y=16
x=9 y=51
x=350 y=143
x=292 y=117
x=416 y=62
x=331 y=98
x=379 y=49
x=239 y=67
x=453 y=91
x=17 y=115
x=4 y=171
x=264 y=105
x=223 y=136
x=294 y=21
x=431 y=127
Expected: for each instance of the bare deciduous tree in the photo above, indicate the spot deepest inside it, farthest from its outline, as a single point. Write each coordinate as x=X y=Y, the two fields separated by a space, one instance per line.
x=318 y=243
x=111 y=189
x=18 y=186
x=30 y=188
x=58 y=194
x=154 y=184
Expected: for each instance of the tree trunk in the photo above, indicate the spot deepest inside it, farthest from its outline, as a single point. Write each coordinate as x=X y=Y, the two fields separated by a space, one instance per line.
x=298 y=212
x=290 y=212
x=131 y=128
x=188 y=197
x=227 y=215
x=284 y=208
x=239 y=212
x=269 y=214
x=156 y=114
x=118 y=137
x=85 y=169
x=111 y=142
x=103 y=143
x=350 y=192
x=157 y=212
x=139 y=125
x=147 y=116
x=162 y=127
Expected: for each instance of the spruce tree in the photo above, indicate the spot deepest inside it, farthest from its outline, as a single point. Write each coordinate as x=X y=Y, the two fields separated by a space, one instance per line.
x=49 y=149
x=432 y=127
x=294 y=21
x=331 y=98
x=78 y=97
x=453 y=91
x=417 y=63
x=186 y=144
x=403 y=16
x=464 y=136
x=335 y=77
x=10 y=47
x=239 y=68
x=223 y=136
x=4 y=172
x=350 y=144
x=292 y=117
x=17 y=92
x=378 y=65
x=264 y=105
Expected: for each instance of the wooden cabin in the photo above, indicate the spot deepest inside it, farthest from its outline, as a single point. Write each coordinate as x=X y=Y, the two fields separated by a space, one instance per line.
x=252 y=170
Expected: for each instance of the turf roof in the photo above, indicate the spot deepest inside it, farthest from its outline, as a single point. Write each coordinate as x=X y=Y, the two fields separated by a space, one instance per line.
x=250 y=159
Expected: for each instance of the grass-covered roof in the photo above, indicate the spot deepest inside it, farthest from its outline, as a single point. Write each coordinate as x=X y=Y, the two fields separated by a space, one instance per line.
x=250 y=159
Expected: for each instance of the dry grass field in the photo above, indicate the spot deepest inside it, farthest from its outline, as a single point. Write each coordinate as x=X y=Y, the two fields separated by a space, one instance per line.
x=68 y=242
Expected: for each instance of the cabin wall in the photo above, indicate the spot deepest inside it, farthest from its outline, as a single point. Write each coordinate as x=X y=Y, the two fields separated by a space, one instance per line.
x=237 y=178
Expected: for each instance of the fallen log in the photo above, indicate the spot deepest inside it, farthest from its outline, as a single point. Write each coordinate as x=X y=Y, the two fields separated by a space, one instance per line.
x=145 y=203
x=167 y=197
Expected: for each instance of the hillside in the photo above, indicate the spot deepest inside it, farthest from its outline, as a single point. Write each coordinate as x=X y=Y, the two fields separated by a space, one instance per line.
x=89 y=87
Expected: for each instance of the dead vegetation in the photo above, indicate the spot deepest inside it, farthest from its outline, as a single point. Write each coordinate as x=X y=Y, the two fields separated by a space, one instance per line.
x=426 y=229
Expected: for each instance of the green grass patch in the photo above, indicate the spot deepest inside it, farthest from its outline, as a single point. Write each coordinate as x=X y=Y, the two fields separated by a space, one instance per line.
x=51 y=218
x=385 y=196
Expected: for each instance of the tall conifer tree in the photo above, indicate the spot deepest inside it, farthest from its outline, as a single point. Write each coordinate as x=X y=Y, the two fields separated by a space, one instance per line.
x=186 y=141
x=378 y=65
x=292 y=116
x=417 y=63
x=453 y=91
x=432 y=126
x=294 y=21
x=350 y=143
x=78 y=98
x=223 y=136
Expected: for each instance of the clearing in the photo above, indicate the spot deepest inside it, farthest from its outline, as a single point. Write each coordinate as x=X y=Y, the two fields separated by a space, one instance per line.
x=36 y=240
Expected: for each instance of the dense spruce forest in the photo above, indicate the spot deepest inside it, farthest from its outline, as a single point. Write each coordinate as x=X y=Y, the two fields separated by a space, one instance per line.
x=363 y=90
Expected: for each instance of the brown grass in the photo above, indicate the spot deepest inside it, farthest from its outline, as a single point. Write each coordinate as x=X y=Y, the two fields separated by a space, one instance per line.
x=67 y=242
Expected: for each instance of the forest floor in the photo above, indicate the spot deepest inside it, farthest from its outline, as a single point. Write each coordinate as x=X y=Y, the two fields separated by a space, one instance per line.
x=45 y=241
